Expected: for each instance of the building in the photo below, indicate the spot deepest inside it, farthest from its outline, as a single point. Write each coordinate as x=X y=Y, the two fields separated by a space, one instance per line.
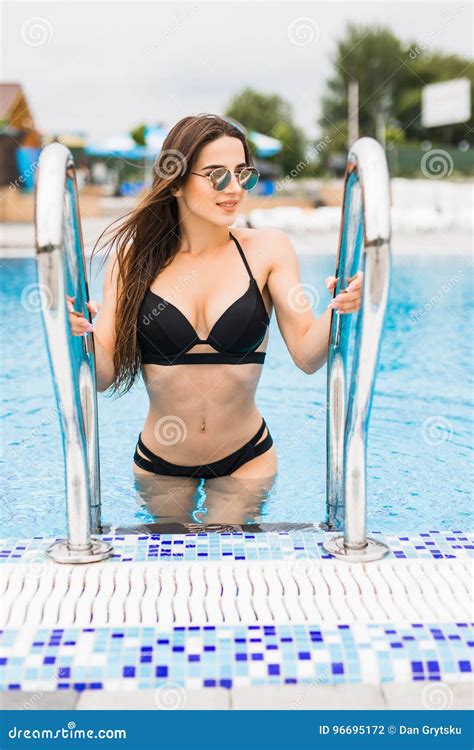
x=20 y=141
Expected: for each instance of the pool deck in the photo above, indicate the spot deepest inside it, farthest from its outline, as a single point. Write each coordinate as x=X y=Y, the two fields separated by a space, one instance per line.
x=238 y=619
x=17 y=240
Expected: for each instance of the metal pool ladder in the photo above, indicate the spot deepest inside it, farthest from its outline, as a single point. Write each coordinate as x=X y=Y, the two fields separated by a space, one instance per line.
x=364 y=242
x=61 y=270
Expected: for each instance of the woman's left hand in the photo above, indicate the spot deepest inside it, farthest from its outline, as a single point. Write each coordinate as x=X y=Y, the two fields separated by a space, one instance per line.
x=348 y=300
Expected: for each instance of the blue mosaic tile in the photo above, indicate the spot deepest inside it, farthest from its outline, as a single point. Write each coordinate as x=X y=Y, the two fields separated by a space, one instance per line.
x=274 y=545
x=236 y=656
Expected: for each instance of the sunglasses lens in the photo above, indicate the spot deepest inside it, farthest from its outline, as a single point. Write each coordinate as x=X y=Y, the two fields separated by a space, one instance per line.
x=220 y=178
x=249 y=178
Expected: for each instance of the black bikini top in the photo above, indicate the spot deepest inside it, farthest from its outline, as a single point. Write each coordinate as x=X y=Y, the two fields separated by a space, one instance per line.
x=165 y=335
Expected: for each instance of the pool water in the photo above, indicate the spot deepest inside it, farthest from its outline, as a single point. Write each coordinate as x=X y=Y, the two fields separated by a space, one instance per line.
x=420 y=438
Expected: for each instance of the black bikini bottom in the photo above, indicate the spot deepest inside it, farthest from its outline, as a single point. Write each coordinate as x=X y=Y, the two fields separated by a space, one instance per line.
x=220 y=468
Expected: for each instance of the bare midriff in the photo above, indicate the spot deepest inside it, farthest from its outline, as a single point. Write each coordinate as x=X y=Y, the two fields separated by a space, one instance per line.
x=200 y=413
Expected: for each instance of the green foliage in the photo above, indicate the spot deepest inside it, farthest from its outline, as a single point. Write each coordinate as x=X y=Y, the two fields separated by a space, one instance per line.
x=138 y=135
x=371 y=56
x=260 y=112
x=271 y=115
x=394 y=135
x=391 y=76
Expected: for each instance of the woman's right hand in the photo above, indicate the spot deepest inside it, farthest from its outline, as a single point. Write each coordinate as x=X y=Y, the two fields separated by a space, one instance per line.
x=80 y=326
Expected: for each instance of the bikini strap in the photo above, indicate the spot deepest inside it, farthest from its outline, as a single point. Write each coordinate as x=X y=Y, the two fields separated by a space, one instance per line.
x=144 y=449
x=258 y=434
x=144 y=463
x=242 y=254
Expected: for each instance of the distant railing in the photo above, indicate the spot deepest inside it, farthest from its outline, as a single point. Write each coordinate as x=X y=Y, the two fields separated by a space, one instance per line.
x=364 y=244
x=62 y=271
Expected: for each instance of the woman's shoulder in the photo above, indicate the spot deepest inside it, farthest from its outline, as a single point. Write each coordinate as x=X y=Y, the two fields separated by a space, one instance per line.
x=267 y=243
x=266 y=239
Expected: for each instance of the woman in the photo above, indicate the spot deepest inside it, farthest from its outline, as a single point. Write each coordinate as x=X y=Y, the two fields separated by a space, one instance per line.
x=187 y=301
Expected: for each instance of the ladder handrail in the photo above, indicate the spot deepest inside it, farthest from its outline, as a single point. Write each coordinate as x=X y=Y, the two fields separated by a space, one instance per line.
x=61 y=269
x=364 y=243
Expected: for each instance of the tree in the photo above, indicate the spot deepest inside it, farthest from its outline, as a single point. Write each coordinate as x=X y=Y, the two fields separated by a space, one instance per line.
x=371 y=56
x=271 y=115
x=138 y=134
x=391 y=76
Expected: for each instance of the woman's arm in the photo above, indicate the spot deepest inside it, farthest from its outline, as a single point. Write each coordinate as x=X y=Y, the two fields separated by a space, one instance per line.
x=104 y=328
x=305 y=336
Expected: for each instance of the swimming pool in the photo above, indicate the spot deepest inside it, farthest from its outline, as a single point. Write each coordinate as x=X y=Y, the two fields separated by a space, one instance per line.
x=420 y=437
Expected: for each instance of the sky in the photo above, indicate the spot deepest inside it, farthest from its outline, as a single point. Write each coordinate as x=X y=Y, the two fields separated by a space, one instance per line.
x=105 y=67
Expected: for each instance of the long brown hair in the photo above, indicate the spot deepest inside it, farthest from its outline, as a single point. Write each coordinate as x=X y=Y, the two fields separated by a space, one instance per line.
x=147 y=241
